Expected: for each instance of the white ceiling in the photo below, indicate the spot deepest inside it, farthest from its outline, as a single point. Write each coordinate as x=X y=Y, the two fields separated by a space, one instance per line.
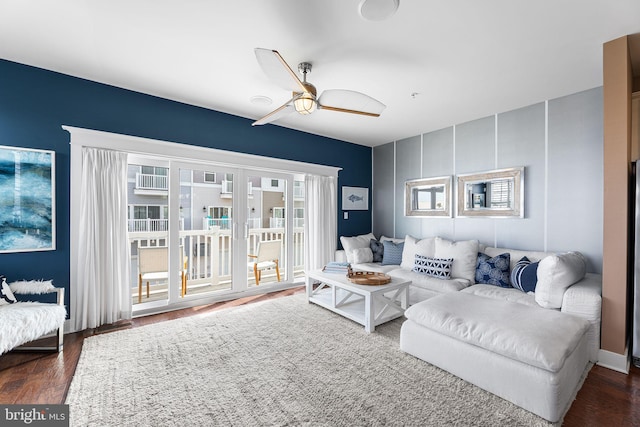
x=466 y=59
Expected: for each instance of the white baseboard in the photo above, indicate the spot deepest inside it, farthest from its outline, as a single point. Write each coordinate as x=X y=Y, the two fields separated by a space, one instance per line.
x=614 y=361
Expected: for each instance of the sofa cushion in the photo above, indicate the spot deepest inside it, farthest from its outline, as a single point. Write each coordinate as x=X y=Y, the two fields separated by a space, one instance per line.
x=537 y=337
x=555 y=274
x=434 y=267
x=507 y=294
x=377 y=249
x=412 y=247
x=392 y=253
x=464 y=254
x=362 y=255
x=429 y=283
x=493 y=271
x=524 y=275
x=351 y=243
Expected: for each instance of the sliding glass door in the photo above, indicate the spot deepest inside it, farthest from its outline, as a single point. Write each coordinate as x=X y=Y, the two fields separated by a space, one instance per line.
x=205 y=230
x=267 y=241
x=148 y=229
x=213 y=229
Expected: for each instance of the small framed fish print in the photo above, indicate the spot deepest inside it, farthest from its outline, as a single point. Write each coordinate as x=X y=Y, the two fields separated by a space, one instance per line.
x=355 y=199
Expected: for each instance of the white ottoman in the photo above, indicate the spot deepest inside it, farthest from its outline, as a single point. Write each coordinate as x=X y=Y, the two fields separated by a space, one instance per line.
x=531 y=356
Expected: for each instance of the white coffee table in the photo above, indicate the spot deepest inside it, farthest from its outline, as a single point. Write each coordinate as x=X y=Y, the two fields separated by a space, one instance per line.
x=367 y=305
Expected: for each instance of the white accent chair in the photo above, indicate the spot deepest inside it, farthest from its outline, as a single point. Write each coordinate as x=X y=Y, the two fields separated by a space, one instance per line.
x=153 y=264
x=25 y=321
x=267 y=257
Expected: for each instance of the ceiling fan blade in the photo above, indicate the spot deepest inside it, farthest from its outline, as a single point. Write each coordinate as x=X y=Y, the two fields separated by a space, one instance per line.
x=276 y=68
x=346 y=110
x=277 y=113
x=350 y=101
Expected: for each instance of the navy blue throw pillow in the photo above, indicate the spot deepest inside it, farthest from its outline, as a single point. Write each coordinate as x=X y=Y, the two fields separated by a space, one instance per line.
x=493 y=271
x=378 y=250
x=392 y=253
x=525 y=275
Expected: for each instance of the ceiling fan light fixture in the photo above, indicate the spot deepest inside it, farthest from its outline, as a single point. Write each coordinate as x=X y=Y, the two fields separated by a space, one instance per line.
x=305 y=104
x=304 y=96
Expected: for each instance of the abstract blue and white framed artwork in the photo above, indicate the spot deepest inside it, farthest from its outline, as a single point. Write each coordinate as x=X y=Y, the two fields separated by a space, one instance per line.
x=355 y=199
x=27 y=200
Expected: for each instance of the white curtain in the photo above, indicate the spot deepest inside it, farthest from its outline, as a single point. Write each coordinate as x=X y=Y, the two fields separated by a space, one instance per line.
x=320 y=227
x=102 y=293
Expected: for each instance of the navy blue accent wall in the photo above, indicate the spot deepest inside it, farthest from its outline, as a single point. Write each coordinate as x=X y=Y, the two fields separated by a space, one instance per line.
x=35 y=103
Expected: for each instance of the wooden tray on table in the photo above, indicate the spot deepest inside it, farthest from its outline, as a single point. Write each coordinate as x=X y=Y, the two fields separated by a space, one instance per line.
x=368 y=278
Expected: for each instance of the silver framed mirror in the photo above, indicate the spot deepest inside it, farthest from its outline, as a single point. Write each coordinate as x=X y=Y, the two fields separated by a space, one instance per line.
x=428 y=197
x=492 y=194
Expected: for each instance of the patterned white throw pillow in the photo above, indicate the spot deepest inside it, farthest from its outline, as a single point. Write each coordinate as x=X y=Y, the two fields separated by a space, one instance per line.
x=434 y=267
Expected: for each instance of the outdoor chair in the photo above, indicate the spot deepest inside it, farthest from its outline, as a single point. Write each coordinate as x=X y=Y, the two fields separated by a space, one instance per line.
x=153 y=265
x=268 y=254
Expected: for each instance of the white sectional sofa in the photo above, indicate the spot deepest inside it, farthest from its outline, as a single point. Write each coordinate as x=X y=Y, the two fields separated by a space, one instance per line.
x=532 y=349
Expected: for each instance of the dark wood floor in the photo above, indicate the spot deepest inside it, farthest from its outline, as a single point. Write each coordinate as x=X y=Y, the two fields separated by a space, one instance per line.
x=607 y=398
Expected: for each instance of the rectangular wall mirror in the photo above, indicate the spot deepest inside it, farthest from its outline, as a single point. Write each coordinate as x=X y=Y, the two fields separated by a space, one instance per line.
x=428 y=197
x=494 y=194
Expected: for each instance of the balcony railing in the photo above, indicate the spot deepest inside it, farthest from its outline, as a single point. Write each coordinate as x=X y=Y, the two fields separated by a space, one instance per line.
x=146 y=181
x=225 y=223
x=208 y=253
x=151 y=224
x=280 y=222
x=276 y=222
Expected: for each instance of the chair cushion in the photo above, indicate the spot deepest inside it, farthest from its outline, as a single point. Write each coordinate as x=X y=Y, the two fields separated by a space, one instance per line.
x=156 y=276
x=27 y=321
x=262 y=265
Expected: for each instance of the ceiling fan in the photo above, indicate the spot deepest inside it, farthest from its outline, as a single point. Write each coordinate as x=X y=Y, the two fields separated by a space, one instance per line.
x=304 y=99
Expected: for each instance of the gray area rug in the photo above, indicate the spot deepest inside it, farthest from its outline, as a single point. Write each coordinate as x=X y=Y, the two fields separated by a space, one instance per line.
x=282 y=362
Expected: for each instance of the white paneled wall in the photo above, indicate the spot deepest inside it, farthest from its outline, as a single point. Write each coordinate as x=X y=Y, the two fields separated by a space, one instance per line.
x=560 y=144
